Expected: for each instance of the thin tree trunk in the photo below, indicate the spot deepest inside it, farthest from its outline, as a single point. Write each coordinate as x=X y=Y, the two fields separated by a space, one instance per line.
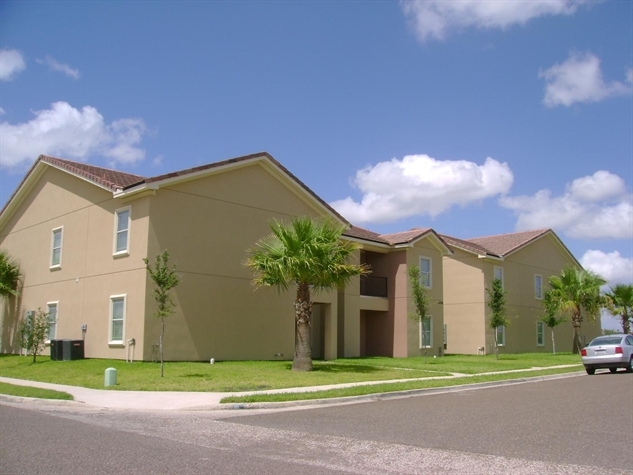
x=162 y=332
x=553 y=343
x=303 y=329
x=576 y=320
x=496 y=345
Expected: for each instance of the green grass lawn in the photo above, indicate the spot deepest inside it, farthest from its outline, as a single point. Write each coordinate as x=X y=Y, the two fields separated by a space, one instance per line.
x=27 y=391
x=232 y=376
x=390 y=387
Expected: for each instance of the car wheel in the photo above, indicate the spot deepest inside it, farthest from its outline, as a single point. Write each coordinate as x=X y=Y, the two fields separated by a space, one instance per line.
x=629 y=368
x=613 y=370
x=590 y=370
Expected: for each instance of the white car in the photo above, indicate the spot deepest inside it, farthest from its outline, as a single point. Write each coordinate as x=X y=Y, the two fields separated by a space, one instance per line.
x=609 y=351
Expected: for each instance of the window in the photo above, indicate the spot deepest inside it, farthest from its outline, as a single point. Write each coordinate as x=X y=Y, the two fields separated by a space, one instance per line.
x=52 y=320
x=56 y=248
x=538 y=287
x=499 y=273
x=426 y=333
x=501 y=335
x=117 y=318
x=540 y=336
x=121 y=231
x=425 y=272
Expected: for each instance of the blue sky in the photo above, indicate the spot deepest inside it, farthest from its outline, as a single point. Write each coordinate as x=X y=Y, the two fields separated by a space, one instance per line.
x=471 y=117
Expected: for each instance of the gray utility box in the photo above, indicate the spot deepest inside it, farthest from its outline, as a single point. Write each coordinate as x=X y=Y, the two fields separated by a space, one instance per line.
x=66 y=350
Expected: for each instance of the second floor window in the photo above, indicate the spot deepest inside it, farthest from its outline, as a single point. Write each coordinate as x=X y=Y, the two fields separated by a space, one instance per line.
x=538 y=287
x=499 y=274
x=56 y=248
x=122 y=231
x=425 y=272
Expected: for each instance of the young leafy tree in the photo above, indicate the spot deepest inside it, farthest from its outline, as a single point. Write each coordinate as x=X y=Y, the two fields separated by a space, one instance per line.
x=165 y=278
x=550 y=318
x=308 y=254
x=421 y=300
x=577 y=292
x=9 y=275
x=621 y=304
x=497 y=305
x=34 y=333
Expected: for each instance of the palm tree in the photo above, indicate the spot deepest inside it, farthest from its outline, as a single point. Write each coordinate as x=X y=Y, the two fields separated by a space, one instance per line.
x=577 y=291
x=621 y=304
x=308 y=254
x=9 y=275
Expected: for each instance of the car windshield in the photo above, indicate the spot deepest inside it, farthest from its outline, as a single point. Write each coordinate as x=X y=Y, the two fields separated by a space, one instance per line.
x=606 y=340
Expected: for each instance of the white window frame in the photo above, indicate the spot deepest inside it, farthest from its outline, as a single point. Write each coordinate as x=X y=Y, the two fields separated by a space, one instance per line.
x=126 y=251
x=55 y=323
x=538 y=288
x=501 y=331
x=111 y=320
x=430 y=273
x=494 y=275
x=540 y=333
x=429 y=319
x=53 y=264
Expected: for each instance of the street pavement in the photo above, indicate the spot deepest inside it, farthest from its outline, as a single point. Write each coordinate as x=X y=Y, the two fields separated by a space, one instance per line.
x=565 y=426
x=205 y=401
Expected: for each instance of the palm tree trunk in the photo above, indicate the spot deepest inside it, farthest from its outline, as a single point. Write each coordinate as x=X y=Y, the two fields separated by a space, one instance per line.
x=626 y=328
x=576 y=320
x=303 y=329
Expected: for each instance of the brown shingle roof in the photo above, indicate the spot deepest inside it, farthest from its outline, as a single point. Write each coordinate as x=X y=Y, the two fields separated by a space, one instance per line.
x=112 y=179
x=497 y=246
x=405 y=236
x=392 y=239
x=467 y=245
x=364 y=234
x=504 y=244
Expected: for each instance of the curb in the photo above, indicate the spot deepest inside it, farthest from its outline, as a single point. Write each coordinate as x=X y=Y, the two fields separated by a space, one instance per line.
x=382 y=396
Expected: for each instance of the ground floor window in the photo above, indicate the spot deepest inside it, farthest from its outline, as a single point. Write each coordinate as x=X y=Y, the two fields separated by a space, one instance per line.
x=426 y=332
x=117 y=318
x=52 y=320
x=540 y=334
x=501 y=335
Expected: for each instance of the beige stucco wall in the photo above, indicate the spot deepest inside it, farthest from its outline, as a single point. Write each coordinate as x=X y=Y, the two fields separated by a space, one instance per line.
x=466 y=278
x=89 y=273
x=207 y=225
x=408 y=330
x=389 y=330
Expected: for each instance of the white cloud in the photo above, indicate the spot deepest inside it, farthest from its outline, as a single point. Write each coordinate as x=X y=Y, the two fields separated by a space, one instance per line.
x=613 y=267
x=65 y=131
x=419 y=184
x=55 y=65
x=11 y=64
x=2 y=111
x=435 y=19
x=579 y=79
x=592 y=207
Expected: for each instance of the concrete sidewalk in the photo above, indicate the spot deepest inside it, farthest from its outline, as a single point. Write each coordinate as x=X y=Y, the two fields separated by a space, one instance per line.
x=205 y=401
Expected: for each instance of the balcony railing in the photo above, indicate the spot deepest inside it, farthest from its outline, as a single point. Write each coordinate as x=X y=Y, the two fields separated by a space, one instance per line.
x=373 y=286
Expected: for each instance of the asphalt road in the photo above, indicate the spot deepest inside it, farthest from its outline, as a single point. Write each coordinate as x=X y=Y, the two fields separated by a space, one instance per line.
x=565 y=426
